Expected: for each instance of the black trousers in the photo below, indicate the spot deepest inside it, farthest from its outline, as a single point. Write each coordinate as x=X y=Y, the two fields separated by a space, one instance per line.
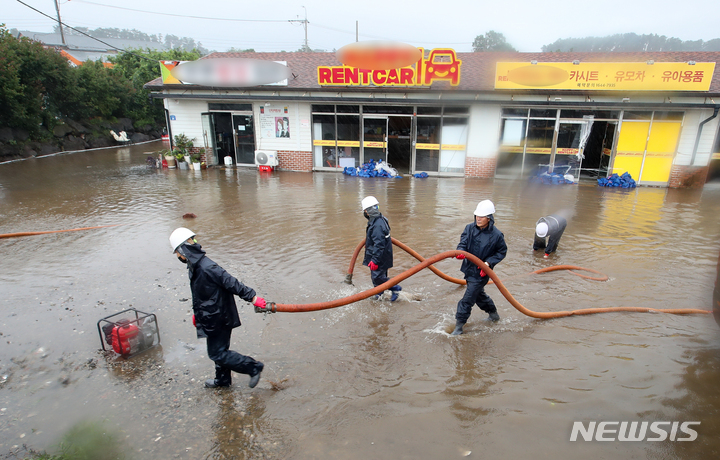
x=226 y=360
x=379 y=277
x=474 y=295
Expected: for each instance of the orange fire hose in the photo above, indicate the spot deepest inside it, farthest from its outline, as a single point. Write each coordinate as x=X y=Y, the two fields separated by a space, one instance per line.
x=425 y=263
x=14 y=235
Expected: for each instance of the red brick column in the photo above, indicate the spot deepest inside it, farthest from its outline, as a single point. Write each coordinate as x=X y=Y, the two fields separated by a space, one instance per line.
x=688 y=176
x=480 y=167
x=295 y=161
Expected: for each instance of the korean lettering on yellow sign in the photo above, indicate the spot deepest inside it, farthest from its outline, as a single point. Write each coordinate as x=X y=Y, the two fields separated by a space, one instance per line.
x=441 y=65
x=605 y=76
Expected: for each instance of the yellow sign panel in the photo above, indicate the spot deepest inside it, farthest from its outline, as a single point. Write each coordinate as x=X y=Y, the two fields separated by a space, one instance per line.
x=322 y=142
x=419 y=146
x=441 y=65
x=605 y=76
x=375 y=144
x=453 y=147
x=348 y=143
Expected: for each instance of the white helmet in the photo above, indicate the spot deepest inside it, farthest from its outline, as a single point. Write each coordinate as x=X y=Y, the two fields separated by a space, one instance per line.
x=179 y=236
x=541 y=229
x=485 y=208
x=368 y=202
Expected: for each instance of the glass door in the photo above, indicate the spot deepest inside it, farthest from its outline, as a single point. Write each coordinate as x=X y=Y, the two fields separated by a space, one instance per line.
x=571 y=139
x=244 y=139
x=375 y=139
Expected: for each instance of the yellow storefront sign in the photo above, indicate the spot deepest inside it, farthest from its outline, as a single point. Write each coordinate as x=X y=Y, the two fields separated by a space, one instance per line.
x=605 y=76
x=539 y=150
x=375 y=144
x=340 y=143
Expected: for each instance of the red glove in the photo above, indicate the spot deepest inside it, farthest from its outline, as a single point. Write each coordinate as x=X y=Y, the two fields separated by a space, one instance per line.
x=373 y=266
x=259 y=302
x=460 y=256
x=482 y=273
x=194 y=321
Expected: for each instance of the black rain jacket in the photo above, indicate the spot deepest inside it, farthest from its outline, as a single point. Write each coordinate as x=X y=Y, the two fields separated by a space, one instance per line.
x=556 y=227
x=487 y=244
x=378 y=243
x=212 y=292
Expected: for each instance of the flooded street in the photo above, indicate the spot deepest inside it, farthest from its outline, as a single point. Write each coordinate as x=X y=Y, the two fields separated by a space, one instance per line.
x=374 y=379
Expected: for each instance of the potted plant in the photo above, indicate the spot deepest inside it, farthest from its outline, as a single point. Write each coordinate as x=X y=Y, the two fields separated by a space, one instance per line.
x=183 y=145
x=180 y=157
x=169 y=158
x=195 y=158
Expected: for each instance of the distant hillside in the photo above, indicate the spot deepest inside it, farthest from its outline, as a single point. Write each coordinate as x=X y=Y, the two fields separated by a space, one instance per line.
x=630 y=42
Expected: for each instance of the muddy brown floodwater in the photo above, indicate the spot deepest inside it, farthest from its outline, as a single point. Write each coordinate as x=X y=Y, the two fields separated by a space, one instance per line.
x=373 y=380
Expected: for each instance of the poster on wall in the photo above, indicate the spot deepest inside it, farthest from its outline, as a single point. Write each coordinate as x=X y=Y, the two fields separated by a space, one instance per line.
x=274 y=122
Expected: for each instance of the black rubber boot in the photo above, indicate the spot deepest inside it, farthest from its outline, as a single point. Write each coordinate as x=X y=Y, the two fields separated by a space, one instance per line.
x=458 y=328
x=255 y=378
x=213 y=383
x=494 y=316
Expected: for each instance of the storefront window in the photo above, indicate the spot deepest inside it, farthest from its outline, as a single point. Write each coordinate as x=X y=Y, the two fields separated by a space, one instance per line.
x=512 y=144
x=429 y=110
x=664 y=115
x=539 y=146
x=348 y=137
x=628 y=115
x=543 y=113
x=388 y=109
x=597 y=114
x=427 y=146
x=325 y=152
x=454 y=139
x=348 y=109
x=511 y=112
x=323 y=108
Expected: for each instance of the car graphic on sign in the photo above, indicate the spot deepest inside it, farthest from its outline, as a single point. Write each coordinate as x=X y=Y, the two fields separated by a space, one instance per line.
x=442 y=70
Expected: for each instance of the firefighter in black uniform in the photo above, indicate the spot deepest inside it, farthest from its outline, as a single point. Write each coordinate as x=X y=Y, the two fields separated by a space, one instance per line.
x=482 y=239
x=548 y=231
x=378 y=245
x=215 y=312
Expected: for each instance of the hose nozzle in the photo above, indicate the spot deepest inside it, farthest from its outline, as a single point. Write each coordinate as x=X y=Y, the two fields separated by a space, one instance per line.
x=348 y=278
x=268 y=308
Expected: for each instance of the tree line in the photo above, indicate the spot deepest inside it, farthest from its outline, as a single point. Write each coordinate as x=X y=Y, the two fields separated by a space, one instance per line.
x=39 y=87
x=630 y=42
x=170 y=41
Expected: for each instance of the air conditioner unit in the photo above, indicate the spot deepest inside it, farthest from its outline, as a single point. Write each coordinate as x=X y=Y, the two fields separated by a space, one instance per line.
x=266 y=158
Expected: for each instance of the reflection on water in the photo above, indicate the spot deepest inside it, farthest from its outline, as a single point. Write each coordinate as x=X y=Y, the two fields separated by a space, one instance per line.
x=371 y=380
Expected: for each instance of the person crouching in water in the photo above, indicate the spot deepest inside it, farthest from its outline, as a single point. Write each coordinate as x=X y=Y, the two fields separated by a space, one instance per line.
x=378 y=245
x=483 y=240
x=215 y=313
x=548 y=231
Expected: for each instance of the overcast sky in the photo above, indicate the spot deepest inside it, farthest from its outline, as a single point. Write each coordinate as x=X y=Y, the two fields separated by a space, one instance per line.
x=527 y=24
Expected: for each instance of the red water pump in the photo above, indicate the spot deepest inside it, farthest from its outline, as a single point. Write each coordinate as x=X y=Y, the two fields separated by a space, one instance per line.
x=129 y=332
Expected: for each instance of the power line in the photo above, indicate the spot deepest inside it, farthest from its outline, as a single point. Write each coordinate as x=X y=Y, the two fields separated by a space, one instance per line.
x=80 y=31
x=181 y=15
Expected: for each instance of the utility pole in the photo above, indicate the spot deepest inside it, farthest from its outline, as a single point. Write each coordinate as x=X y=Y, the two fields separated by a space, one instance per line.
x=356 y=31
x=305 y=24
x=62 y=34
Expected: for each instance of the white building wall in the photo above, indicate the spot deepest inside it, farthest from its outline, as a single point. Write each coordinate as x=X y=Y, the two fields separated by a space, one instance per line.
x=187 y=120
x=300 y=128
x=693 y=118
x=484 y=131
